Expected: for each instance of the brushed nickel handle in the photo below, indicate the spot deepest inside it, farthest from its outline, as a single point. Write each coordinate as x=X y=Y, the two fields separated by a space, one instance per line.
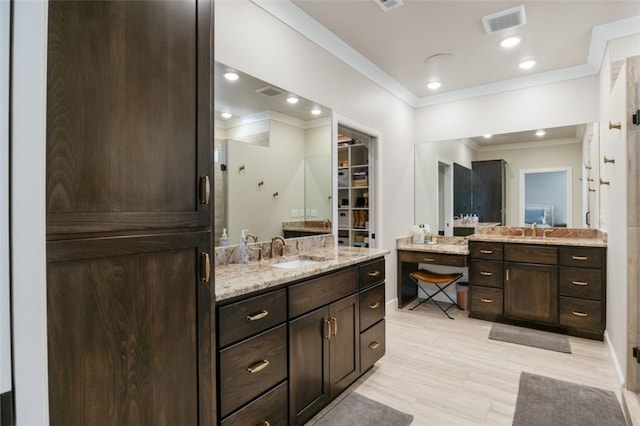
x=205 y=189
x=579 y=314
x=257 y=315
x=483 y=300
x=374 y=305
x=334 y=329
x=617 y=125
x=374 y=273
x=327 y=329
x=579 y=282
x=579 y=257
x=374 y=345
x=486 y=251
x=258 y=366
x=604 y=182
x=428 y=259
x=205 y=267
x=486 y=274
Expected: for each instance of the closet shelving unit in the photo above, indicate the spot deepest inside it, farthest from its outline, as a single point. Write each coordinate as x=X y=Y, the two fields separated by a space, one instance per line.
x=354 y=189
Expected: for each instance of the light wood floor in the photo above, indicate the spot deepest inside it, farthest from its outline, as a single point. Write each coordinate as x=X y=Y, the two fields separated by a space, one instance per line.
x=447 y=372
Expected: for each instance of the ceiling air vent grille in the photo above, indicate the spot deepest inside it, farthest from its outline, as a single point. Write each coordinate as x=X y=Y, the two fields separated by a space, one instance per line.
x=387 y=5
x=504 y=20
x=269 y=91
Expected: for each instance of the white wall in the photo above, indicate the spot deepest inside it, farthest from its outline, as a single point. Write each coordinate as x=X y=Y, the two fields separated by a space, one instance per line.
x=318 y=175
x=253 y=41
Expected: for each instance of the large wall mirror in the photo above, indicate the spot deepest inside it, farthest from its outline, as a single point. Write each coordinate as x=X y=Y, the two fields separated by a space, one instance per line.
x=272 y=157
x=550 y=178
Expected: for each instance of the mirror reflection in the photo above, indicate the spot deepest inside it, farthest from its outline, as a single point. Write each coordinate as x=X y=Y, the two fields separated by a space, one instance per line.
x=272 y=160
x=510 y=179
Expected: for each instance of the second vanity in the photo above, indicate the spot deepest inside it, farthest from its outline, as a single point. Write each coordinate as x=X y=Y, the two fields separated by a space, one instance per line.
x=292 y=336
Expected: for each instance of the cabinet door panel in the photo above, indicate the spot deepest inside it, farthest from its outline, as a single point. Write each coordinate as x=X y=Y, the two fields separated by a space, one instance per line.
x=531 y=292
x=129 y=331
x=344 y=349
x=128 y=130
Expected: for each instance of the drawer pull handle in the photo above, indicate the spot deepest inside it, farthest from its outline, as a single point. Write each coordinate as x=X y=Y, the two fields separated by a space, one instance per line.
x=327 y=329
x=334 y=329
x=579 y=257
x=579 y=282
x=428 y=259
x=579 y=314
x=486 y=251
x=264 y=423
x=205 y=267
x=257 y=315
x=374 y=345
x=374 y=273
x=374 y=305
x=258 y=366
x=484 y=300
x=486 y=274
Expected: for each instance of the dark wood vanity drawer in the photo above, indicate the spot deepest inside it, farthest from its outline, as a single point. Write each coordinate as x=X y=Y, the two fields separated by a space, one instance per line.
x=582 y=257
x=546 y=255
x=484 y=250
x=372 y=346
x=371 y=273
x=316 y=292
x=430 y=257
x=581 y=314
x=486 y=273
x=372 y=307
x=239 y=320
x=486 y=300
x=251 y=367
x=270 y=408
x=581 y=282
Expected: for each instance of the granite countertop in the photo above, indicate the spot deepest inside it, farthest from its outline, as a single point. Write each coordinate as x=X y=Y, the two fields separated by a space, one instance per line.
x=458 y=224
x=233 y=280
x=550 y=241
x=554 y=236
x=319 y=226
x=446 y=245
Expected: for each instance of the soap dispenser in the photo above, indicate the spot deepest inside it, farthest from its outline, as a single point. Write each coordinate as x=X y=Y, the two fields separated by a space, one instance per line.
x=224 y=239
x=243 y=249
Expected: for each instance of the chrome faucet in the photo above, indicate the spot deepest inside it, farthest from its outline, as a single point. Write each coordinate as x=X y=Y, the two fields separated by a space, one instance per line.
x=273 y=241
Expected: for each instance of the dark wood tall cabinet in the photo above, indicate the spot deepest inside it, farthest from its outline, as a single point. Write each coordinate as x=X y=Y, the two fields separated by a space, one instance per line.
x=129 y=289
x=489 y=188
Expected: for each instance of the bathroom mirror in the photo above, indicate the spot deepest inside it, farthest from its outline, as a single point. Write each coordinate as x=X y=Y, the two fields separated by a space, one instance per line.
x=573 y=149
x=272 y=157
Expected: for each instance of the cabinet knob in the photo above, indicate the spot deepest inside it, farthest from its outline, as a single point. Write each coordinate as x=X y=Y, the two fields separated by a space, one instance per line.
x=258 y=366
x=257 y=315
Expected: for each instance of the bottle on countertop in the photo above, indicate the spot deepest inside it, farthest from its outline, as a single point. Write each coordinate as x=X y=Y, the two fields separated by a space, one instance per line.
x=417 y=235
x=243 y=249
x=224 y=239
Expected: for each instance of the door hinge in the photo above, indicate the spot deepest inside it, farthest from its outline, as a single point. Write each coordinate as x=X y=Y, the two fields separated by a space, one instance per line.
x=636 y=354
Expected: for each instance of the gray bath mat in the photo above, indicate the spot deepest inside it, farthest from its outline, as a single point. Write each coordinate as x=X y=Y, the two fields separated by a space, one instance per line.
x=544 y=401
x=527 y=337
x=357 y=410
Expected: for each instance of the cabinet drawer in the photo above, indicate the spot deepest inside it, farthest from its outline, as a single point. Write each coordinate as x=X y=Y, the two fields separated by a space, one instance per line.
x=581 y=314
x=435 y=258
x=545 y=255
x=582 y=257
x=581 y=282
x=251 y=316
x=486 y=300
x=312 y=294
x=371 y=273
x=270 y=408
x=251 y=367
x=372 y=307
x=482 y=250
x=486 y=273
x=372 y=346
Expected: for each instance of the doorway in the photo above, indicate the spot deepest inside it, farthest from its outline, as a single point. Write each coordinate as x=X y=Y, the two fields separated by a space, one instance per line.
x=445 y=198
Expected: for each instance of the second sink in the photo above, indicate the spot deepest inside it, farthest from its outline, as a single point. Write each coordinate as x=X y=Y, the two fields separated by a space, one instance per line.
x=294 y=264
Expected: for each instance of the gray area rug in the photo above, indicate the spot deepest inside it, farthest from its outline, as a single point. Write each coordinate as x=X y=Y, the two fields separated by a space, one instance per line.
x=357 y=410
x=544 y=401
x=527 y=337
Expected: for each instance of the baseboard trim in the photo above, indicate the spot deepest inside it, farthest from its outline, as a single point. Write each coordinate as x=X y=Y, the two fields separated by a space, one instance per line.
x=631 y=407
x=391 y=304
x=614 y=358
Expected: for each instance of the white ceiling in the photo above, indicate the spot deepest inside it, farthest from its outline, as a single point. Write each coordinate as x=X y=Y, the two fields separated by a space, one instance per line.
x=566 y=38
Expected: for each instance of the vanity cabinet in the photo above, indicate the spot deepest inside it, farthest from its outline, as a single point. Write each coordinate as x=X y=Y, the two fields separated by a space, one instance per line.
x=485 y=280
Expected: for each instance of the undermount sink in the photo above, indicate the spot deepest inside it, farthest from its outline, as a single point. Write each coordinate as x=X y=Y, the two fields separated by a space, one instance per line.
x=295 y=264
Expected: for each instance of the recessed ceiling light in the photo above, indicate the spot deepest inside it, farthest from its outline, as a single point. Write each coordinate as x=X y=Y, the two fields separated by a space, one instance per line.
x=292 y=99
x=540 y=133
x=434 y=85
x=525 y=65
x=510 y=41
x=316 y=111
x=488 y=135
x=231 y=76
x=226 y=115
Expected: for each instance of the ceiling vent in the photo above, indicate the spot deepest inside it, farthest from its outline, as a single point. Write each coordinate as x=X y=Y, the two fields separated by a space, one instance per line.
x=387 y=5
x=504 y=20
x=269 y=91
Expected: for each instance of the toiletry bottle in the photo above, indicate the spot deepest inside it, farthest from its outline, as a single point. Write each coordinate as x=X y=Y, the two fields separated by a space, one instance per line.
x=243 y=249
x=224 y=239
